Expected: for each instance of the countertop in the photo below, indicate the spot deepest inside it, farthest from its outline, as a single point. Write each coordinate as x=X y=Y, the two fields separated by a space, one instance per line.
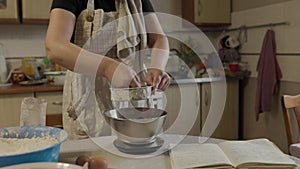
x=16 y=89
x=196 y=80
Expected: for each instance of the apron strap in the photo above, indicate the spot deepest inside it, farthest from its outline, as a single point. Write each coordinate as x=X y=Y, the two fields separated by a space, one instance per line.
x=90 y=10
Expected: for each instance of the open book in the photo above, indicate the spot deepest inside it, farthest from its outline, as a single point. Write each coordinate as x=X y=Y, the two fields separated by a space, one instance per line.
x=254 y=154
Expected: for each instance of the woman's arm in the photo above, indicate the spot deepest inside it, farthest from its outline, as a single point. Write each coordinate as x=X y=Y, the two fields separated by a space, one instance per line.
x=60 y=50
x=160 y=53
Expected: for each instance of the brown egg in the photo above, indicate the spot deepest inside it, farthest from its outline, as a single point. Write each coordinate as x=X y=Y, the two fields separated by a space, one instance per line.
x=82 y=159
x=98 y=163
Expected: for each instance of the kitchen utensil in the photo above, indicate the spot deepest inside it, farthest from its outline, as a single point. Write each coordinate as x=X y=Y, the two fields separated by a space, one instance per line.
x=56 y=77
x=136 y=126
x=134 y=93
x=49 y=154
x=33 y=82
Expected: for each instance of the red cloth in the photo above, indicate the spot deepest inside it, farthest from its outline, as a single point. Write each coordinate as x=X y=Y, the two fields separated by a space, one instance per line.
x=269 y=74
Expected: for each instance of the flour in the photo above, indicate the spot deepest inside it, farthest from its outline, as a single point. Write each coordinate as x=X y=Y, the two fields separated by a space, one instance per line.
x=13 y=146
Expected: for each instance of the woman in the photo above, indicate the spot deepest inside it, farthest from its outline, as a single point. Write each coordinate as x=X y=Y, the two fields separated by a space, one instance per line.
x=66 y=35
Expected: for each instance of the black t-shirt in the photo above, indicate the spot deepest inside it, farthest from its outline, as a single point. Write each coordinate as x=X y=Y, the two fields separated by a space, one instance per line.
x=77 y=6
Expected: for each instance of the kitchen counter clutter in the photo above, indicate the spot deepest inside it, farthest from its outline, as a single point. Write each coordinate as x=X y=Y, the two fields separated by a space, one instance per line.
x=18 y=89
x=15 y=89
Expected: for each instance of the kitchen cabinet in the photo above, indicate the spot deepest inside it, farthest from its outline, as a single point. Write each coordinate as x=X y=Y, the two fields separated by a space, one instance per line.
x=36 y=11
x=174 y=105
x=54 y=101
x=10 y=107
x=54 y=107
x=207 y=12
x=9 y=11
x=228 y=125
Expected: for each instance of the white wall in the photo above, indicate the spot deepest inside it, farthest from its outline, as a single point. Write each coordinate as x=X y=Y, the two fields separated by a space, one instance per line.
x=287 y=37
x=167 y=6
x=23 y=40
x=28 y=40
x=270 y=124
x=239 y=5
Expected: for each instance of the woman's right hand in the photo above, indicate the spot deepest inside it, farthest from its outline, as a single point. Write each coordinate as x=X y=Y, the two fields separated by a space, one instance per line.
x=119 y=74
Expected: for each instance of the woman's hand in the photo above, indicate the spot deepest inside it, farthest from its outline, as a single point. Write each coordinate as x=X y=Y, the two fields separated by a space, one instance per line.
x=119 y=74
x=158 y=79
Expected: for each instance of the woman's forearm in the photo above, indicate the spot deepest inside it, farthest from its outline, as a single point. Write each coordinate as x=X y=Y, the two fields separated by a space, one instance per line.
x=157 y=41
x=160 y=53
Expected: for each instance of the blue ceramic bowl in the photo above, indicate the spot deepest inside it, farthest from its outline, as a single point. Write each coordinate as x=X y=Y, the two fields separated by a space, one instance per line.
x=49 y=154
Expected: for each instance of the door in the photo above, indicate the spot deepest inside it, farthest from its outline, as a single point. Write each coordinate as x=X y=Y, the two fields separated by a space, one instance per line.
x=9 y=12
x=36 y=11
x=212 y=12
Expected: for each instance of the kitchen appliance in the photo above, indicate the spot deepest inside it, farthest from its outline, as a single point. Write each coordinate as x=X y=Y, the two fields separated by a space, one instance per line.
x=137 y=120
x=137 y=129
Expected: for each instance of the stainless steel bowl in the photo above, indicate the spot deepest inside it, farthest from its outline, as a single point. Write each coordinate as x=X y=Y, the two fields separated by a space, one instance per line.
x=137 y=125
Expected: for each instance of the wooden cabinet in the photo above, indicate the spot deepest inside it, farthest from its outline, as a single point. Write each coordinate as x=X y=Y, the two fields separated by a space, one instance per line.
x=54 y=107
x=10 y=109
x=36 y=11
x=207 y=12
x=54 y=101
x=200 y=97
x=9 y=11
x=228 y=125
x=183 y=101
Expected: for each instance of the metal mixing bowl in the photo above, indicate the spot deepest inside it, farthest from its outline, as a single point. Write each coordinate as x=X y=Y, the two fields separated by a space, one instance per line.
x=136 y=125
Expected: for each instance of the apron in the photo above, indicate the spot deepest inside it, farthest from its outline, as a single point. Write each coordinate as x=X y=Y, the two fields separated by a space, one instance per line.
x=114 y=34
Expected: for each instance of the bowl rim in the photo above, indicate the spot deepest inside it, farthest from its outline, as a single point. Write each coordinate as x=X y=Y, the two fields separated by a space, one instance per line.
x=36 y=151
x=47 y=165
x=162 y=115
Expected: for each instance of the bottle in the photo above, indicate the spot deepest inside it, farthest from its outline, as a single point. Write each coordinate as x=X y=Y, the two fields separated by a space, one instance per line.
x=3 y=66
x=33 y=112
x=47 y=65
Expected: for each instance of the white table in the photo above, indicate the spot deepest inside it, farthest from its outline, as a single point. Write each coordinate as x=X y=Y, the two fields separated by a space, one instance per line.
x=70 y=150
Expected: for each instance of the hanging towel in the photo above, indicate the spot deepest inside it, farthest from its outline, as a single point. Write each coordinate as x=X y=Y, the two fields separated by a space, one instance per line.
x=269 y=74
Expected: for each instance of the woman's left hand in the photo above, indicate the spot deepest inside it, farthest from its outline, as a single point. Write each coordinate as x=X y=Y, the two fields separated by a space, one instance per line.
x=158 y=79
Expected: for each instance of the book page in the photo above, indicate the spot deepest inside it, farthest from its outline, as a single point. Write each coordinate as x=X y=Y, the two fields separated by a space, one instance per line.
x=255 y=152
x=198 y=156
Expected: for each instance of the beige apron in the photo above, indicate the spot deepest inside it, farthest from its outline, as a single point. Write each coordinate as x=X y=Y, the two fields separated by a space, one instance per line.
x=111 y=34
